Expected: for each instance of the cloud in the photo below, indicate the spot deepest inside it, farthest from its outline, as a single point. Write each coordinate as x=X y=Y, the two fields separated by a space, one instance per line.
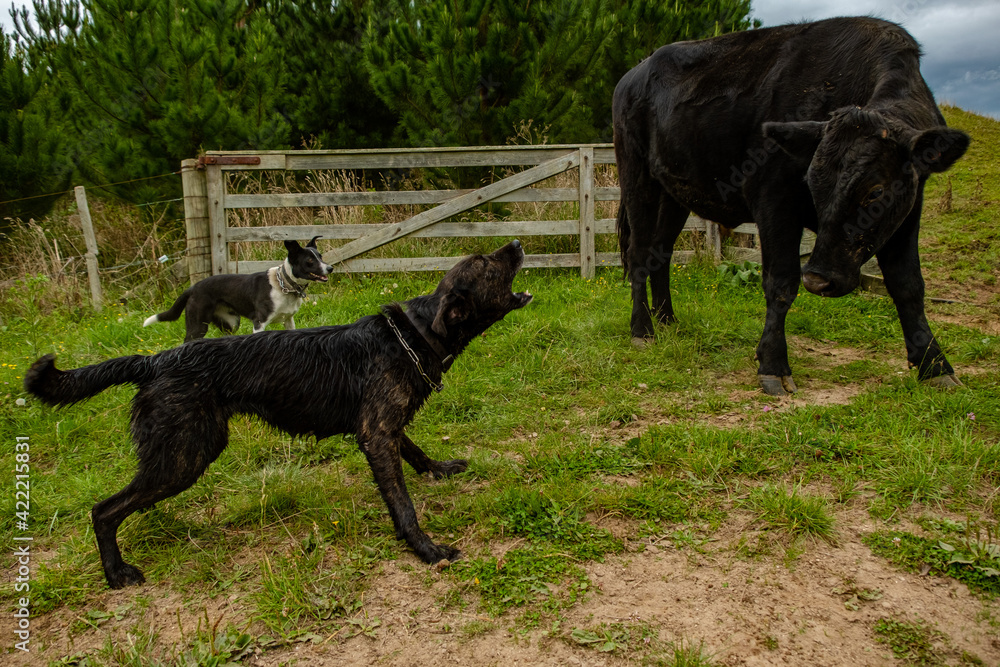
x=959 y=40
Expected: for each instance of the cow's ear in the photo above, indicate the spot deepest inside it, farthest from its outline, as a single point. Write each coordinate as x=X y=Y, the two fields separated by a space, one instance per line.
x=799 y=139
x=455 y=306
x=937 y=149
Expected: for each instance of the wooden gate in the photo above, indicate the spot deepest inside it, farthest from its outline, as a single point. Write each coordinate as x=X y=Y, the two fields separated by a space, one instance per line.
x=208 y=218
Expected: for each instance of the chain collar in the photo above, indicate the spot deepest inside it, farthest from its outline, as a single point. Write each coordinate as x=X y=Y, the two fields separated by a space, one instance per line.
x=413 y=356
x=446 y=359
x=294 y=289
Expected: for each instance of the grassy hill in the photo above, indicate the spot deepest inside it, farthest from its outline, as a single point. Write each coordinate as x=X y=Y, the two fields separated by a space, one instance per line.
x=960 y=236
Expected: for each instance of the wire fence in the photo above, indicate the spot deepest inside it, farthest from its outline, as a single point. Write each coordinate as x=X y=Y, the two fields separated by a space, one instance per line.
x=96 y=187
x=54 y=248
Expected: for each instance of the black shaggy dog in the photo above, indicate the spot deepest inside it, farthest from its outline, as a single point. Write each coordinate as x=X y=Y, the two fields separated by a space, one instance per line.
x=368 y=378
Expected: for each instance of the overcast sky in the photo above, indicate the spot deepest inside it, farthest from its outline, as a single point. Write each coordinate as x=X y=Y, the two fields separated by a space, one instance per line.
x=961 y=39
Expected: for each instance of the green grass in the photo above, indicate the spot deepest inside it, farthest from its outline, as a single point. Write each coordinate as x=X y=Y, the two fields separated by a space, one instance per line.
x=963 y=246
x=969 y=554
x=796 y=513
x=911 y=642
x=537 y=406
x=578 y=444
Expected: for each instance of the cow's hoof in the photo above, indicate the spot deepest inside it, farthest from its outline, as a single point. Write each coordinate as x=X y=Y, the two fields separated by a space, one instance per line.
x=641 y=342
x=774 y=385
x=439 y=552
x=124 y=575
x=944 y=382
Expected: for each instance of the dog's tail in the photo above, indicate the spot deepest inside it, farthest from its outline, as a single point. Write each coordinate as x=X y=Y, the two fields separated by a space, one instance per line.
x=56 y=387
x=172 y=313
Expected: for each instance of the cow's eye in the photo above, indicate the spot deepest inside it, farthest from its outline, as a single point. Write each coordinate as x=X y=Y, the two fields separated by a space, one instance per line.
x=873 y=195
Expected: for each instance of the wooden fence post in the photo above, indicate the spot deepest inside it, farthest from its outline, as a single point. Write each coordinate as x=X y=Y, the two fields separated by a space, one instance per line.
x=587 y=244
x=96 y=294
x=215 y=182
x=199 y=242
x=713 y=241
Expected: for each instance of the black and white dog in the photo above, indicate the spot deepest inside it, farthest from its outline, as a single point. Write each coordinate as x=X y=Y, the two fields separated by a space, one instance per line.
x=260 y=297
x=368 y=378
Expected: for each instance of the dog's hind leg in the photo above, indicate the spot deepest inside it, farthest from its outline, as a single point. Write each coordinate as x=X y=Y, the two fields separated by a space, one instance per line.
x=175 y=443
x=109 y=513
x=383 y=453
x=196 y=319
x=423 y=463
x=226 y=319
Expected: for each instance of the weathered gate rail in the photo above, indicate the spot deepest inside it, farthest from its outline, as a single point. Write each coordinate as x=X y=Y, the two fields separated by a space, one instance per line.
x=207 y=203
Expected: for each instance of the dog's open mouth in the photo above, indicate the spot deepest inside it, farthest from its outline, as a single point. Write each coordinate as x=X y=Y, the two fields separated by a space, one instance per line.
x=318 y=278
x=522 y=299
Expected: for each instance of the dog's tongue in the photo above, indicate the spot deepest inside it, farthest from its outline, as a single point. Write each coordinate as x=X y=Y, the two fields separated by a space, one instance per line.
x=319 y=279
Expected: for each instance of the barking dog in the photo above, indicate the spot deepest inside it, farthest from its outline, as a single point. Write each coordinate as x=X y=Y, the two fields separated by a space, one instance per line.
x=368 y=378
x=260 y=297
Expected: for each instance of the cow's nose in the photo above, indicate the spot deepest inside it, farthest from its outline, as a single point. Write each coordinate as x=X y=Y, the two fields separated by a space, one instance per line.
x=815 y=283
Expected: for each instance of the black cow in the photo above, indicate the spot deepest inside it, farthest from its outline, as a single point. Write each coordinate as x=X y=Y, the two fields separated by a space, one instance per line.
x=827 y=126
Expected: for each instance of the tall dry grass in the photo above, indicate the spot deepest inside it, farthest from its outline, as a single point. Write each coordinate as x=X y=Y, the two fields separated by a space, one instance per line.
x=42 y=263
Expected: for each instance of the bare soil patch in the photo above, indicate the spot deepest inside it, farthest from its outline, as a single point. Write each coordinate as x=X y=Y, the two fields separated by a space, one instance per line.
x=771 y=608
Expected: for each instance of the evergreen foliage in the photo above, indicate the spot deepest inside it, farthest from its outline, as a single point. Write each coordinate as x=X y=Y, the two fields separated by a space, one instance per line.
x=467 y=73
x=151 y=82
x=102 y=91
x=329 y=99
x=30 y=151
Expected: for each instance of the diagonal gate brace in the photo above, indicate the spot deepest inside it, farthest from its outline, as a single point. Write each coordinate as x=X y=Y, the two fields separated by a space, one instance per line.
x=453 y=207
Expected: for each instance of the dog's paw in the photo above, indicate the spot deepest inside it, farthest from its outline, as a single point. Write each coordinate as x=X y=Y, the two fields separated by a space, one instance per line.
x=125 y=575
x=448 y=468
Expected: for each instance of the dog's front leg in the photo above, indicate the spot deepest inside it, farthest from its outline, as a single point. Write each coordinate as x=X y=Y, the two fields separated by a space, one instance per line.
x=382 y=451
x=423 y=463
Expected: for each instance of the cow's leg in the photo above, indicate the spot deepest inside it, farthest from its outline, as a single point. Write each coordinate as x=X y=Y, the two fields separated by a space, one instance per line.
x=641 y=206
x=669 y=224
x=781 y=275
x=899 y=260
x=655 y=221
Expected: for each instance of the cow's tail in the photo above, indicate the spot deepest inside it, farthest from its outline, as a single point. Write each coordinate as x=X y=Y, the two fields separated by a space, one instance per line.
x=171 y=313
x=624 y=234
x=56 y=387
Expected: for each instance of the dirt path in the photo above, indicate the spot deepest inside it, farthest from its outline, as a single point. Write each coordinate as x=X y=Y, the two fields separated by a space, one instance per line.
x=775 y=609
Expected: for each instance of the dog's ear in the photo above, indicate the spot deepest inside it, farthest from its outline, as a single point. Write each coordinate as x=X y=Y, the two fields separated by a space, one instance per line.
x=456 y=306
x=292 y=246
x=312 y=242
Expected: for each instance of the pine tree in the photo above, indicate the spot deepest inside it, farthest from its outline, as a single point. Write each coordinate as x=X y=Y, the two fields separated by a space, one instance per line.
x=642 y=26
x=30 y=159
x=151 y=82
x=329 y=97
x=469 y=72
